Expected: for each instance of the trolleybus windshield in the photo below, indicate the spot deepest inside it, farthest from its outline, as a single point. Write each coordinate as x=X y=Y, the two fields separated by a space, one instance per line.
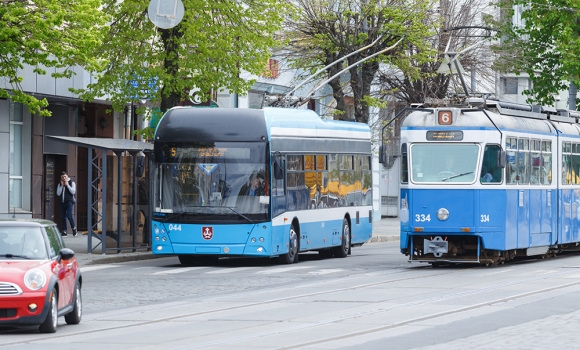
x=444 y=162
x=205 y=181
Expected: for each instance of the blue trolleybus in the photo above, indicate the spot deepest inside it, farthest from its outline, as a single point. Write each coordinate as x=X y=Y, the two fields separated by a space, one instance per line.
x=488 y=182
x=269 y=183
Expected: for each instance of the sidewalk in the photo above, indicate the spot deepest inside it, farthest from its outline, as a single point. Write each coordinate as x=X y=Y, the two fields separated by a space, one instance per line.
x=385 y=230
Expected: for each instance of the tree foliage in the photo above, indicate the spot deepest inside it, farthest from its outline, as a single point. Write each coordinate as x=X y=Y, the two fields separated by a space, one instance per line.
x=46 y=34
x=459 y=25
x=545 y=45
x=325 y=31
x=208 y=49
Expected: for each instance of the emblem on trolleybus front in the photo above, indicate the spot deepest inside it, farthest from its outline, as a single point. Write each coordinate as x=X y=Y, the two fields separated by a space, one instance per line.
x=207 y=232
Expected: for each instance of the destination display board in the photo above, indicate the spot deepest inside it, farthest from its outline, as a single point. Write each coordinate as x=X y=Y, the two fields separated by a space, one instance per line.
x=456 y=135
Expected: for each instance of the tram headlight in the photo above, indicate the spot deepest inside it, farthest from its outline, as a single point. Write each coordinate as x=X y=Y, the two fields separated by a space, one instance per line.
x=442 y=214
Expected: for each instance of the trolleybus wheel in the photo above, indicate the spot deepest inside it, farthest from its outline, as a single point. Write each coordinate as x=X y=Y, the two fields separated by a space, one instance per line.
x=342 y=250
x=293 y=248
x=187 y=259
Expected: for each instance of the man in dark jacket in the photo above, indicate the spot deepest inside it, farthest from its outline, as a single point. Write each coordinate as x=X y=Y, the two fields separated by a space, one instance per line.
x=65 y=191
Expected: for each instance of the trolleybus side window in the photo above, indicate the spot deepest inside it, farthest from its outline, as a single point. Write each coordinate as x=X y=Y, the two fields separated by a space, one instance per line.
x=546 y=163
x=310 y=180
x=366 y=180
x=321 y=182
x=333 y=180
x=404 y=164
x=297 y=192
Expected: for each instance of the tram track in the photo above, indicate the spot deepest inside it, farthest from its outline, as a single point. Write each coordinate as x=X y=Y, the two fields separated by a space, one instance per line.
x=334 y=320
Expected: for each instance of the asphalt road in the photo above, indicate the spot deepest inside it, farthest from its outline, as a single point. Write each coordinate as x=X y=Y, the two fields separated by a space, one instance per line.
x=372 y=299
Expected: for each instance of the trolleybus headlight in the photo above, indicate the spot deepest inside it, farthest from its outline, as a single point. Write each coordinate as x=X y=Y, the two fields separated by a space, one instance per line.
x=156 y=230
x=159 y=247
x=442 y=214
x=260 y=249
x=156 y=238
x=163 y=238
x=253 y=239
x=261 y=239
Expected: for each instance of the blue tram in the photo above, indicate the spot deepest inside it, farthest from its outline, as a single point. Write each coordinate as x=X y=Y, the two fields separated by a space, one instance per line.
x=489 y=181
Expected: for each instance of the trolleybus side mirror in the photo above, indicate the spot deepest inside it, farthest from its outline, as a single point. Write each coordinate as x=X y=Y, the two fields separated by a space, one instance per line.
x=501 y=159
x=382 y=154
x=278 y=171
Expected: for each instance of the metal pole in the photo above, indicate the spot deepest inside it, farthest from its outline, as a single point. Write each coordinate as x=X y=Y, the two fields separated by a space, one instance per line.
x=90 y=200
x=119 y=198
x=134 y=221
x=572 y=97
x=104 y=202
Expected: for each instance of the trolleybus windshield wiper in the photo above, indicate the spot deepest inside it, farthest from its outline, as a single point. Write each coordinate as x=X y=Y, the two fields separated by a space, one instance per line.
x=242 y=215
x=454 y=176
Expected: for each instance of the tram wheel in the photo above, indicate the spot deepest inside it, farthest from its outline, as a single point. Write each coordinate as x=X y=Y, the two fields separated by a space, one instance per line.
x=342 y=250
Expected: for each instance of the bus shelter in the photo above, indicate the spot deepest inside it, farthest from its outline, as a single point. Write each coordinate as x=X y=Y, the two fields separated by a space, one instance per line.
x=97 y=190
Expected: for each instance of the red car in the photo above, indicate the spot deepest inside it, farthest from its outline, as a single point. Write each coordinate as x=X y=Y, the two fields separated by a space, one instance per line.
x=39 y=277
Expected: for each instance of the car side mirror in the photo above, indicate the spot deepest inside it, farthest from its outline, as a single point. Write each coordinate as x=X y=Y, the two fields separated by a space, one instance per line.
x=65 y=254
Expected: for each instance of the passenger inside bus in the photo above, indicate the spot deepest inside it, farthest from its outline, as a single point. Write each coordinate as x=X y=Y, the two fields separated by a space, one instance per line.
x=254 y=185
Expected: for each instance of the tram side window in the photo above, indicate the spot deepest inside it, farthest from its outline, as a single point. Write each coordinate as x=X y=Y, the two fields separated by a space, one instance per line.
x=536 y=163
x=523 y=161
x=404 y=164
x=575 y=163
x=566 y=163
x=511 y=165
x=490 y=173
x=546 y=163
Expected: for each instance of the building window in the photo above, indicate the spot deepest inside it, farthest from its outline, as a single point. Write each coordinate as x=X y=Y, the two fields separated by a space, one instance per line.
x=510 y=86
x=15 y=173
x=272 y=69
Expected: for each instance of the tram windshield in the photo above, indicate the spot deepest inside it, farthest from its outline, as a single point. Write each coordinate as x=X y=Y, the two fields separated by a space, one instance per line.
x=444 y=163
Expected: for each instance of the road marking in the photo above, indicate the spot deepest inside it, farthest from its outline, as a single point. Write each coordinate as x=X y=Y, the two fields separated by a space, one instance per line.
x=180 y=270
x=231 y=269
x=283 y=269
x=324 y=271
x=96 y=267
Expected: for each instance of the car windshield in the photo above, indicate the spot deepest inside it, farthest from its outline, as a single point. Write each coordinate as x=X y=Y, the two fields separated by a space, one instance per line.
x=22 y=243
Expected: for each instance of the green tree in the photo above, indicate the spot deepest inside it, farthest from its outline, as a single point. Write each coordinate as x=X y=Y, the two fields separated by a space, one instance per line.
x=326 y=31
x=207 y=50
x=545 y=45
x=44 y=34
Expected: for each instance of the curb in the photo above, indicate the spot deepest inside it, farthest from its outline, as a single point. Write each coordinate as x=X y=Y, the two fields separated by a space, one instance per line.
x=122 y=258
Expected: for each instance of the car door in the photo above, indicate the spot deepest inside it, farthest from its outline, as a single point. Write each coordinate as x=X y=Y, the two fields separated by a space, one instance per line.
x=63 y=269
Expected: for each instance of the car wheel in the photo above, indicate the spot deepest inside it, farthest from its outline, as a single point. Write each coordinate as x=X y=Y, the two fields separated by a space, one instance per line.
x=51 y=320
x=74 y=317
x=342 y=250
x=187 y=259
x=293 y=248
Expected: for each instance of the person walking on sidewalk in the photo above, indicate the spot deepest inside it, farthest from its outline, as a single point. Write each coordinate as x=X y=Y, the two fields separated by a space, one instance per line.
x=66 y=190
